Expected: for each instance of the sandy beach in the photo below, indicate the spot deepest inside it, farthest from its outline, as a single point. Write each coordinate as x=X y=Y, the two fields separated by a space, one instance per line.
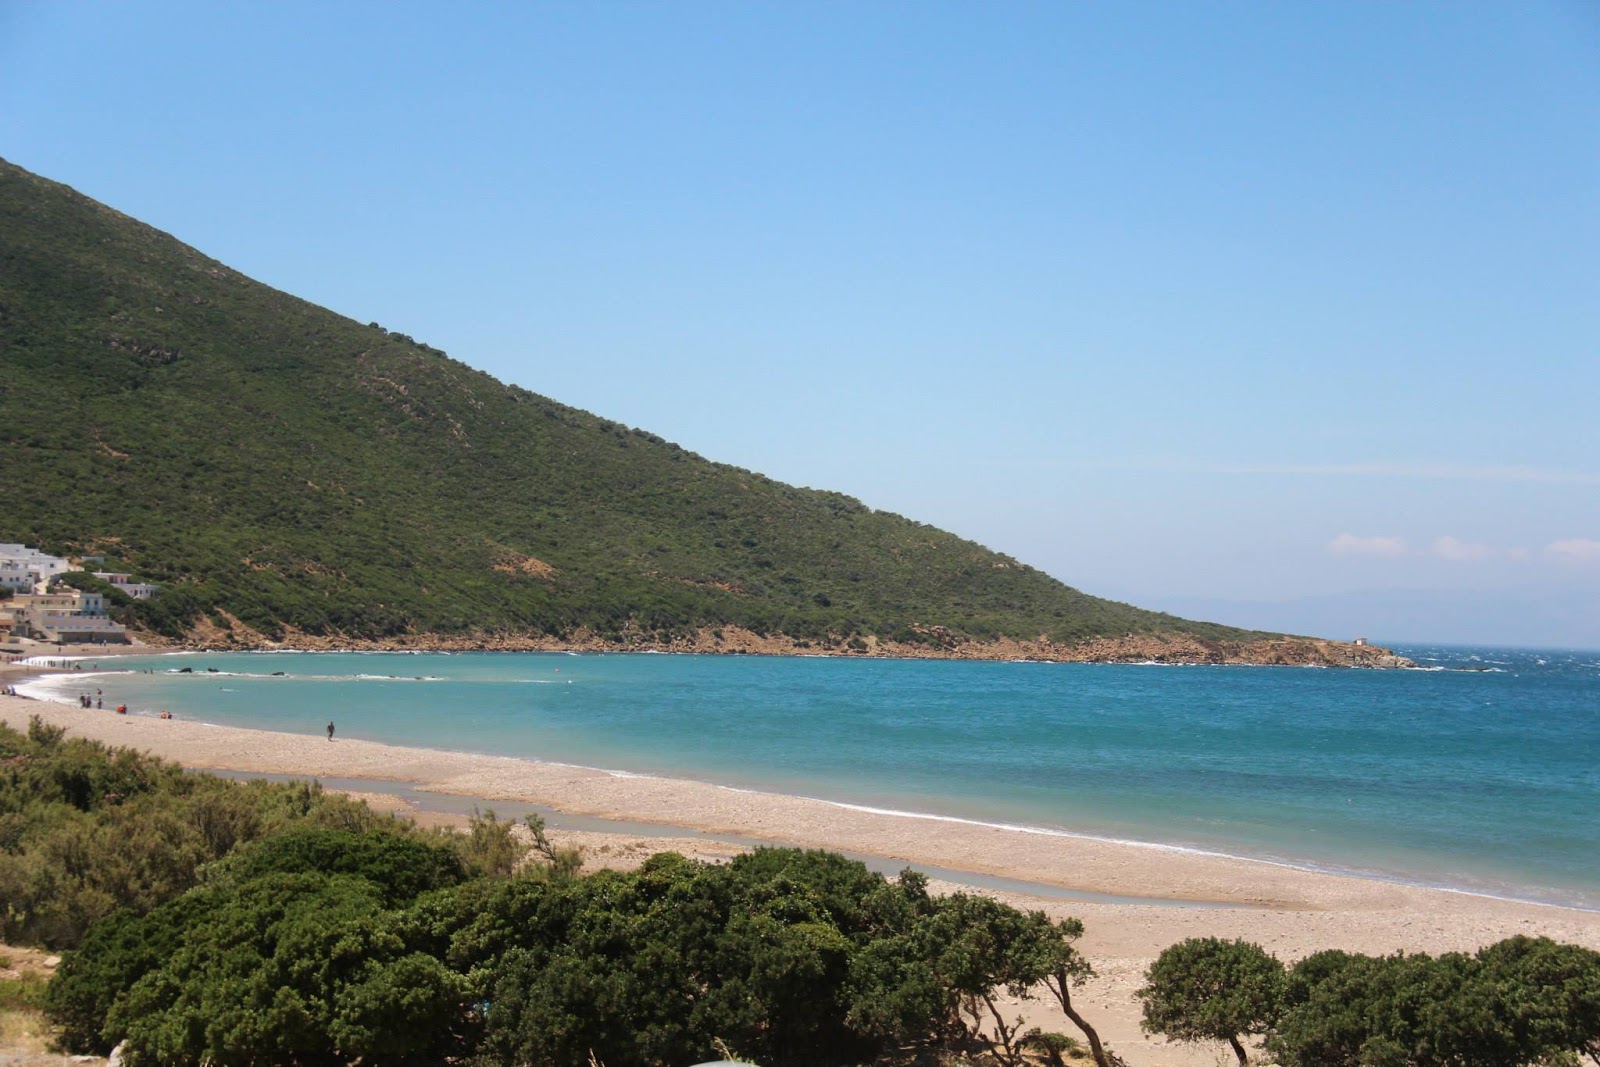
x=1291 y=912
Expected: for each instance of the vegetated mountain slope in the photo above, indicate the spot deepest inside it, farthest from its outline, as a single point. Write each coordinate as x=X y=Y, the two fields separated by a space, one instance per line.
x=291 y=467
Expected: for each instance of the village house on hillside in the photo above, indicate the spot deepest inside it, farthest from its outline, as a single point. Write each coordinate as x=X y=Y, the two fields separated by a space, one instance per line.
x=66 y=618
x=35 y=613
x=22 y=569
x=125 y=582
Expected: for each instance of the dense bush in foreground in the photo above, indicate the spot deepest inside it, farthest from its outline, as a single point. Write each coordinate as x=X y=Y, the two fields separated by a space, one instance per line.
x=789 y=957
x=256 y=924
x=86 y=830
x=226 y=922
x=1521 y=1001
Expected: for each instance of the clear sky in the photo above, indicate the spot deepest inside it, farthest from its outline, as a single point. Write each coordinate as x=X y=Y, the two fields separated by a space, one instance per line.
x=1288 y=313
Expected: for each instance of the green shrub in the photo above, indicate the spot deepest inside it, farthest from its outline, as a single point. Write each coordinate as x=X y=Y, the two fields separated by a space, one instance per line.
x=399 y=865
x=86 y=830
x=23 y=993
x=1208 y=989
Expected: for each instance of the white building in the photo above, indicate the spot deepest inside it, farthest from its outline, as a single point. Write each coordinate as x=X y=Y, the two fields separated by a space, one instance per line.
x=68 y=618
x=125 y=582
x=23 y=568
x=16 y=577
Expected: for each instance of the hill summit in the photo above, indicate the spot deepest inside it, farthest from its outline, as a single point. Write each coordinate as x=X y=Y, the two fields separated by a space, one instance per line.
x=292 y=476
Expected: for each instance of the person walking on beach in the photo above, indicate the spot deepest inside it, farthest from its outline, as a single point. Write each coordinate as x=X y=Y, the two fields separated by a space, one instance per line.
x=330 y=731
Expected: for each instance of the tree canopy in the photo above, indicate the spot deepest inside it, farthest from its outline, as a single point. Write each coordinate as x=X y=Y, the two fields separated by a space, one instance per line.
x=1208 y=989
x=1520 y=1002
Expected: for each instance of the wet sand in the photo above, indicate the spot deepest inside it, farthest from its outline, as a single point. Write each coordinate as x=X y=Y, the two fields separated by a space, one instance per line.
x=1290 y=912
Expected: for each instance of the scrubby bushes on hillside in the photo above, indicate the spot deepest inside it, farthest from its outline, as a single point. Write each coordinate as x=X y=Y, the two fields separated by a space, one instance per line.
x=265 y=458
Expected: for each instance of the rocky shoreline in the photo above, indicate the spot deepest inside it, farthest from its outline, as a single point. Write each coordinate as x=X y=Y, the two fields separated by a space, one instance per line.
x=1174 y=648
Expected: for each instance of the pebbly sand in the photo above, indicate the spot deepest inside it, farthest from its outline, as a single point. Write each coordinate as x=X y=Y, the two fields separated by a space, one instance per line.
x=1290 y=912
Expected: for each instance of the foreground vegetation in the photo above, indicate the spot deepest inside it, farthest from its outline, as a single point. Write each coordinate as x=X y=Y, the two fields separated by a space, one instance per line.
x=214 y=921
x=1521 y=1001
x=211 y=921
x=269 y=460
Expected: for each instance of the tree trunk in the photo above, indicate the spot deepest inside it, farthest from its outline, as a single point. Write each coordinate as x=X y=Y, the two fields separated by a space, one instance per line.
x=1238 y=1050
x=1009 y=1057
x=1061 y=986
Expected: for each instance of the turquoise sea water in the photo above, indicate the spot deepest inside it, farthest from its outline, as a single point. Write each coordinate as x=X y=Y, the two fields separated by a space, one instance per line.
x=1481 y=773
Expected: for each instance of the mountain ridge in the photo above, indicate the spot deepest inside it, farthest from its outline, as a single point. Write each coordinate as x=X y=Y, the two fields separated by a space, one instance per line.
x=288 y=472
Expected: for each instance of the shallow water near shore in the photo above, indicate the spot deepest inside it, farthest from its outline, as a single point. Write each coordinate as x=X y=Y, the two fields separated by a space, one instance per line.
x=1481 y=774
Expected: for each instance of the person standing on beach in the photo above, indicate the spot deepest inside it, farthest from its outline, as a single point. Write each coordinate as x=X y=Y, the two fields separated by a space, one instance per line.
x=330 y=731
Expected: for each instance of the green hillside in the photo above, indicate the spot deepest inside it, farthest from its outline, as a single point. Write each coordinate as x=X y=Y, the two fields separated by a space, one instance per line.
x=289 y=466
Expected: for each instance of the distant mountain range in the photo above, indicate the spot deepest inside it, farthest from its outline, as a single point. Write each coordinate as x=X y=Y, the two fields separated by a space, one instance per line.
x=293 y=475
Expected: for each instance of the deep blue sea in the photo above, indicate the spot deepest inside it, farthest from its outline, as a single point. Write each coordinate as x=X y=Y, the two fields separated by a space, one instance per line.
x=1481 y=772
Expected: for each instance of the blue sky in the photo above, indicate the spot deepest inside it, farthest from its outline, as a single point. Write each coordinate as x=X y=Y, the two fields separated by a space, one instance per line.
x=1286 y=313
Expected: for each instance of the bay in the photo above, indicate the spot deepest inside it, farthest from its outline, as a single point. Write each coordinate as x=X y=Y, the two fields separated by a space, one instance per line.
x=1480 y=772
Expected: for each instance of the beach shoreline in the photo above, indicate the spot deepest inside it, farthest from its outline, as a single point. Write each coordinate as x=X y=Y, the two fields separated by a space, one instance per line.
x=476 y=785
x=1291 y=911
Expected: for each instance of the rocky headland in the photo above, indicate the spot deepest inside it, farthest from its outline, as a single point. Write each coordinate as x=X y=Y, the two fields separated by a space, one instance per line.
x=938 y=643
